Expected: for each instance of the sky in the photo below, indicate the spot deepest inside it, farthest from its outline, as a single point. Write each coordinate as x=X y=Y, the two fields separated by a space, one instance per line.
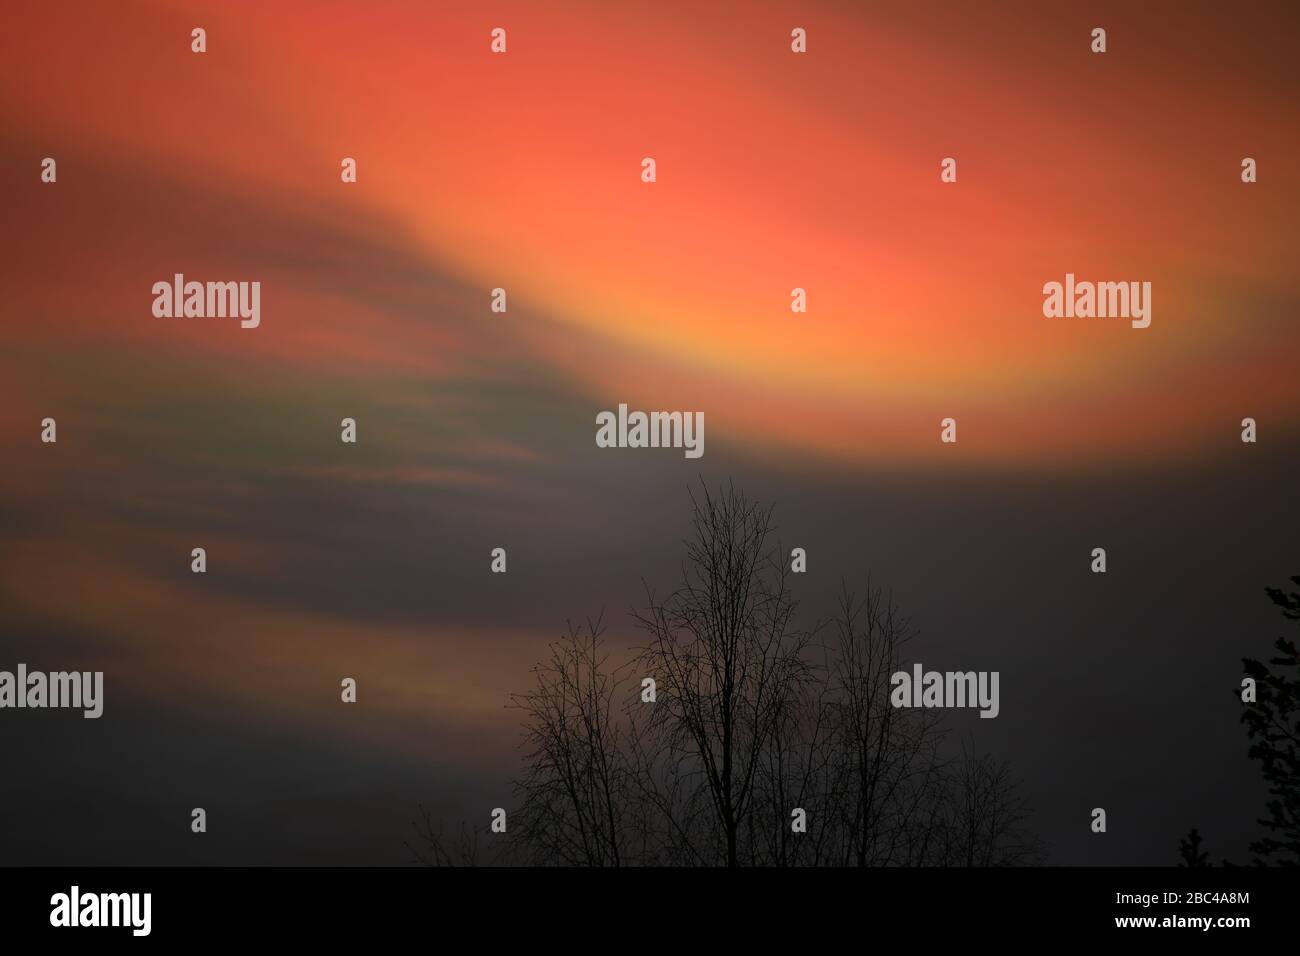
x=523 y=171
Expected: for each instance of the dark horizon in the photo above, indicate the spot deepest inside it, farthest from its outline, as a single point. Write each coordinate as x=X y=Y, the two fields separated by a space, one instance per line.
x=1138 y=718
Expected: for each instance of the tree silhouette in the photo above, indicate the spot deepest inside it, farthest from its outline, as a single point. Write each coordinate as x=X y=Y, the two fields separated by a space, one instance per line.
x=983 y=821
x=1273 y=726
x=432 y=846
x=757 y=723
x=886 y=760
x=1189 y=849
x=575 y=788
x=731 y=662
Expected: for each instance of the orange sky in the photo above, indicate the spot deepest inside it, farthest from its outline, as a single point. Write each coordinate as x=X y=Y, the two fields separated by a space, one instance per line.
x=775 y=171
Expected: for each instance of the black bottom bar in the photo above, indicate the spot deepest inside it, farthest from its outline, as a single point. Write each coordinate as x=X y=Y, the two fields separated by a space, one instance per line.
x=663 y=906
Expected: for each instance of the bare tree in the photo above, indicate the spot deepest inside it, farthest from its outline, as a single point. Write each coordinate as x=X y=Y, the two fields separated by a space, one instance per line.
x=886 y=758
x=766 y=743
x=433 y=847
x=980 y=818
x=575 y=796
x=797 y=773
x=725 y=648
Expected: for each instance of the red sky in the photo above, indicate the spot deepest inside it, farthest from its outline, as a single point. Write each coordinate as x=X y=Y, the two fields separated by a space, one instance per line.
x=774 y=171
